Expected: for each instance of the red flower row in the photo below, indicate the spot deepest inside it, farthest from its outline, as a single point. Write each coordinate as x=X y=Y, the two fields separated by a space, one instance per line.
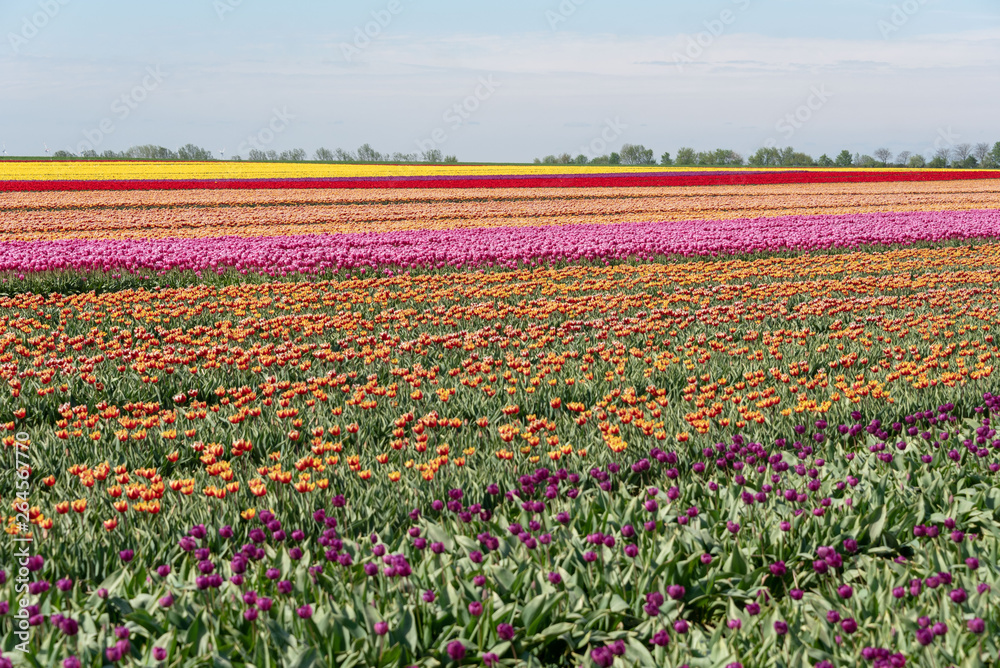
x=548 y=181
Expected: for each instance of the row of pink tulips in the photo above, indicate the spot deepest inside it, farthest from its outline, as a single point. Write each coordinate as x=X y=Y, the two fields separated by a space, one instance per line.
x=504 y=247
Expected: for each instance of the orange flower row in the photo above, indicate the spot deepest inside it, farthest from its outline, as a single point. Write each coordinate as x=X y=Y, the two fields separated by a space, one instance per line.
x=88 y=215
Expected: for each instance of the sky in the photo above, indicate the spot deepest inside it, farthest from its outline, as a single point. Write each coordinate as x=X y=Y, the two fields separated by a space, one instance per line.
x=499 y=81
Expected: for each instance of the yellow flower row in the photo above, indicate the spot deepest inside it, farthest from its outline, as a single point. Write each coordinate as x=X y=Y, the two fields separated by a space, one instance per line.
x=98 y=170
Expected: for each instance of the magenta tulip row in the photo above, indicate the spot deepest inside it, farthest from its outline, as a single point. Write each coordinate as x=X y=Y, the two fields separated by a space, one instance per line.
x=504 y=247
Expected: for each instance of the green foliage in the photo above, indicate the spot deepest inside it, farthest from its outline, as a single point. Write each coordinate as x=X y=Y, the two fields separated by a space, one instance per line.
x=686 y=156
x=856 y=485
x=192 y=152
x=636 y=154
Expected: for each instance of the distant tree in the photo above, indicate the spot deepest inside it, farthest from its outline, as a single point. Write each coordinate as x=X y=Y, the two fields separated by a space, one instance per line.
x=564 y=159
x=792 y=158
x=549 y=160
x=192 y=152
x=580 y=159
x=63 y=154
x=89 y=153
x=995 y=155
x=685 y=156
x=404 y=157
x=601 y=160
x=866 y=161
x=982 y=152
x=637 y=154
x=111 y=155
x=883 y=155
x=324 y=155
x=961 y=152
x=903 y=158
x=825 y=161
x=451 y=159
x=766 y=156
x=150 y=152
x=293 y=155
x=725 y=156
x=367 y=154
x=256 y=155
x=970 y=162
x=272 y=155
x=665 y=159
x=916 y=161
x=844 y=159
x=433 y=155
x=704 y=158
x=347 y=156
x=614 y=159
x=941 y=157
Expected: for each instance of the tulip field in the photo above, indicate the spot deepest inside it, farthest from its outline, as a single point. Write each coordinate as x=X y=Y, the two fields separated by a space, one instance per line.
x=331 y=415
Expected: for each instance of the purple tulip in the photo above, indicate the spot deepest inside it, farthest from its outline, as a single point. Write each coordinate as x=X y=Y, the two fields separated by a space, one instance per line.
x=456 y=650
x=505 y=631
x=602 y=656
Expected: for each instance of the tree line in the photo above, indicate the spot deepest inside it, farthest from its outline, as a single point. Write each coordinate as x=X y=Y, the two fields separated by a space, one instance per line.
x=191 y=152
x=961 y=156
x=145 y=152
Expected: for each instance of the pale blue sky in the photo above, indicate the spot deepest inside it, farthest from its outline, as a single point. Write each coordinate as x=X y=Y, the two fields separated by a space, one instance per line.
x=530 y=77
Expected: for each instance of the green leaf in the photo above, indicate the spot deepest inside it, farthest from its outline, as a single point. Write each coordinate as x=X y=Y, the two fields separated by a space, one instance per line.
x=406 y=632
x=875 y=531
x=736 y=563
x=146 y=621
x=307 y=659
x=555 y=630
x=536 y=611
x=638 y=654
